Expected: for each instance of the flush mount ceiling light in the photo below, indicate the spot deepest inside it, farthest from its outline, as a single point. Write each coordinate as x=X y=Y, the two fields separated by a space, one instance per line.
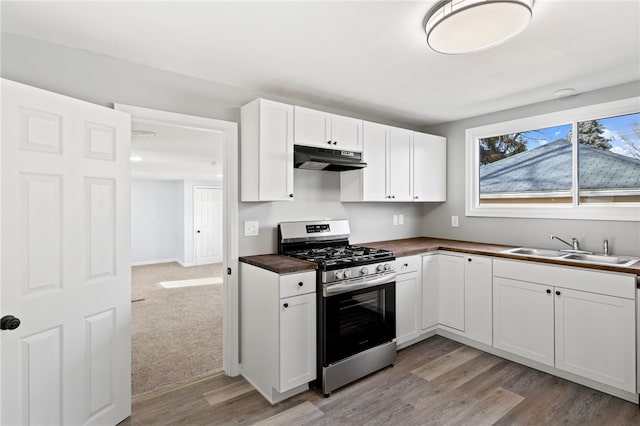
x=463 y=26
x=135 y=159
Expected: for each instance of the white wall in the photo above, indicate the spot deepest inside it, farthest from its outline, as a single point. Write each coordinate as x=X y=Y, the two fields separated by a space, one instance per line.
x=156 y=220
x=624 y=237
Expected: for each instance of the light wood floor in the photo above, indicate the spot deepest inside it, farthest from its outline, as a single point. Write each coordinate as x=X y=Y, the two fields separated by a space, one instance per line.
x=434 y=382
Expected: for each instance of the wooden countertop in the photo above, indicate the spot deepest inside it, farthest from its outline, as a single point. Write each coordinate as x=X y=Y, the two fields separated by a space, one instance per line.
x=412 y=246
x=279 y=264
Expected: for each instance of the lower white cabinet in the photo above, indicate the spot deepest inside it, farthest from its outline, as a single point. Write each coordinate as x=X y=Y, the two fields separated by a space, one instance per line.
x=523 y=319
x=277 y=331
x=430 y=287
x=408 y=298
x=478 y=300
x=451 y=292
x=555 y=322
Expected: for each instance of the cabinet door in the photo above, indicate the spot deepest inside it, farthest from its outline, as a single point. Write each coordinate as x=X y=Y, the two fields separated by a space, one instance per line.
x=400 y=164
x=346 y=133
x=297 y=341
x=595 y=337
x=429 y=167
x=523 y=319
x=430 y=286
x=276 y=151
x=451 y=294
x=374 y=153
x=408 y=307
x=312 y=128
x=478 y=299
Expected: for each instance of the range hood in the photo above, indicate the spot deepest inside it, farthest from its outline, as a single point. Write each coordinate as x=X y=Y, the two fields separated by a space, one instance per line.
x=311 y=158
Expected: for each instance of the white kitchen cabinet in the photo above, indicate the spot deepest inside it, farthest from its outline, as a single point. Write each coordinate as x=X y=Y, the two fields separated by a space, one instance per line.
x=430 y=287
x=402 y=165
x=266 y=148
x=576 y=320
x=595 y=337
x=408 y=298
x=451 y=304
x=523 y=319
x=429 y=167
x=277 y=331
x=325 y=130
x=478 y=299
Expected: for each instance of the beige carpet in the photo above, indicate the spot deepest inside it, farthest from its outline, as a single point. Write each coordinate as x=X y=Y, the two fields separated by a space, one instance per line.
x=176 y=332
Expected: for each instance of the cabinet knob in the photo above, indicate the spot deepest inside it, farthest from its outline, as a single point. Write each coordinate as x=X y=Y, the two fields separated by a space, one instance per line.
x=557 y=292
x=300 y=284
x=335 y=142
x=548 y=291
x=329 y=142
x=406 y=265
x=393 y=196
x=415 y=197
x=286 y=305
x=290 y=195
x=469 y=259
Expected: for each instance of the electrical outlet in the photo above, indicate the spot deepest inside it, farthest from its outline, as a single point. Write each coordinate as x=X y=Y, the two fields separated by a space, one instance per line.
x=454 y=221
x=401 y=219
x=251 y=228
x=395 y=220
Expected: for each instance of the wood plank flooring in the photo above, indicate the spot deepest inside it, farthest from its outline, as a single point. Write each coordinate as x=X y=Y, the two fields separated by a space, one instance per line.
x=434 y=382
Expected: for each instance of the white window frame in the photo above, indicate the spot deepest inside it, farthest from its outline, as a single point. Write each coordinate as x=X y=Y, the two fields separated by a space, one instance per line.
x=590 y=211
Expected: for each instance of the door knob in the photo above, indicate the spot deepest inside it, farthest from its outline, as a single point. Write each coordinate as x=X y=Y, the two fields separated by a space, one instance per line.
x=9 y=322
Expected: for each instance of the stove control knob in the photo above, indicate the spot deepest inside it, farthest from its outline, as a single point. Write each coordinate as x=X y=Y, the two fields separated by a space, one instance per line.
x=339 y=275
x=364 y=270
x=387 y=266
x=380 y=268
x=347 y=273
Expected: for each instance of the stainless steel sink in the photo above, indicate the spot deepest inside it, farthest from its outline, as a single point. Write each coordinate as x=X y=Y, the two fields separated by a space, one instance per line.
x=573 y=257
x=607 y=260
x=535 y=252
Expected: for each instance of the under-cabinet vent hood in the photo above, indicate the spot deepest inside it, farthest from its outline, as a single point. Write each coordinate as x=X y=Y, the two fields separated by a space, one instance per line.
x=334 y=160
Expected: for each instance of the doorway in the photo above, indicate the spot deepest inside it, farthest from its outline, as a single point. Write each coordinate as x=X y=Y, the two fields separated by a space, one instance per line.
x=193 y=273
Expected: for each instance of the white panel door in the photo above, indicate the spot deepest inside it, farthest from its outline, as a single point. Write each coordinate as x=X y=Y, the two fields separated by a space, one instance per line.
x=375 y=182
x=451 y=292
x=523 y=319
x=312 y=128
x=64 y=260
x=595 y=337
x=207 y=225
x=400 y=164
x=429 y=167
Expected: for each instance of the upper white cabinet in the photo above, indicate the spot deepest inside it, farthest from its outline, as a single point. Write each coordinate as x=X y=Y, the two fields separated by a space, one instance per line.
x=402 y=165
x=325 y=130
x=266 y=151
x=429 y=167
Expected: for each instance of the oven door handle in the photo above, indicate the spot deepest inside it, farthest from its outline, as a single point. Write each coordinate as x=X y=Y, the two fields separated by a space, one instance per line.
x=357 y=285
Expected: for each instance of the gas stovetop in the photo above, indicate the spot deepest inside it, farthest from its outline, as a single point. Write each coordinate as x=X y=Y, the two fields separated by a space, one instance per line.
x=342 y=256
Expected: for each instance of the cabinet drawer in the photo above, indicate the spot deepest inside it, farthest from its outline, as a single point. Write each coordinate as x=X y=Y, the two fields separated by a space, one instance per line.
x=296 y=284
x=407 y=264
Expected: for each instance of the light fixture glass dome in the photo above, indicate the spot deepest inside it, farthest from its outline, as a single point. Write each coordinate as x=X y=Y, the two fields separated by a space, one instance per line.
x=465 y=26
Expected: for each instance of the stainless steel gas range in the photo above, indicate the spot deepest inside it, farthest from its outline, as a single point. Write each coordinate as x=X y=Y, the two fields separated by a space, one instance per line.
x=356 y=300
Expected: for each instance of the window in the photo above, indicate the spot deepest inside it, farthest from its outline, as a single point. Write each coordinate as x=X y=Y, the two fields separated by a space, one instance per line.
x=581 y=163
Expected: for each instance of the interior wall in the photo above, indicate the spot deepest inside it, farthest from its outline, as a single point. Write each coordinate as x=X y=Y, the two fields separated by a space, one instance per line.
x=624 y=237
x=156 y=221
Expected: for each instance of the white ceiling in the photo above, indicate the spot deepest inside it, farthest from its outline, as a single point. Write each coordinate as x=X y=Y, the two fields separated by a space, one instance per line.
x=176 y=153
x=369 y=57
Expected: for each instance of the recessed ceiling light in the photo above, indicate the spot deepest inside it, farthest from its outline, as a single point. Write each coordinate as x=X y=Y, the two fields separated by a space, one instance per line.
x=143 y=133
x=218 y=176
x=563 y=92
x=135 y=159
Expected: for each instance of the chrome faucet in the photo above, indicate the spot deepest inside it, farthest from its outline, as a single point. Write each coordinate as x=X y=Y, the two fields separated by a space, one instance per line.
x=574 y=244
x=605 y=247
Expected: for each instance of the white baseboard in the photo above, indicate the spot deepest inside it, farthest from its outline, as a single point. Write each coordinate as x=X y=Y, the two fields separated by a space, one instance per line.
x=154 y=262
x=186 y=265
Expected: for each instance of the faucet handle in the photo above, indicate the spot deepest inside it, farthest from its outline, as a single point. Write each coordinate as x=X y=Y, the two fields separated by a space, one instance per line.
x=605 y=246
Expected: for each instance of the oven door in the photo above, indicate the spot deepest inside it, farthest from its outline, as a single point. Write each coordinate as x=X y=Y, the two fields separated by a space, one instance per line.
x=357 y=320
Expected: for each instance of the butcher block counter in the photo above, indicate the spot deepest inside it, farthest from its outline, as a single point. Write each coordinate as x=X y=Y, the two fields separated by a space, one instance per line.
x=420 y=245
x=279 y=264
